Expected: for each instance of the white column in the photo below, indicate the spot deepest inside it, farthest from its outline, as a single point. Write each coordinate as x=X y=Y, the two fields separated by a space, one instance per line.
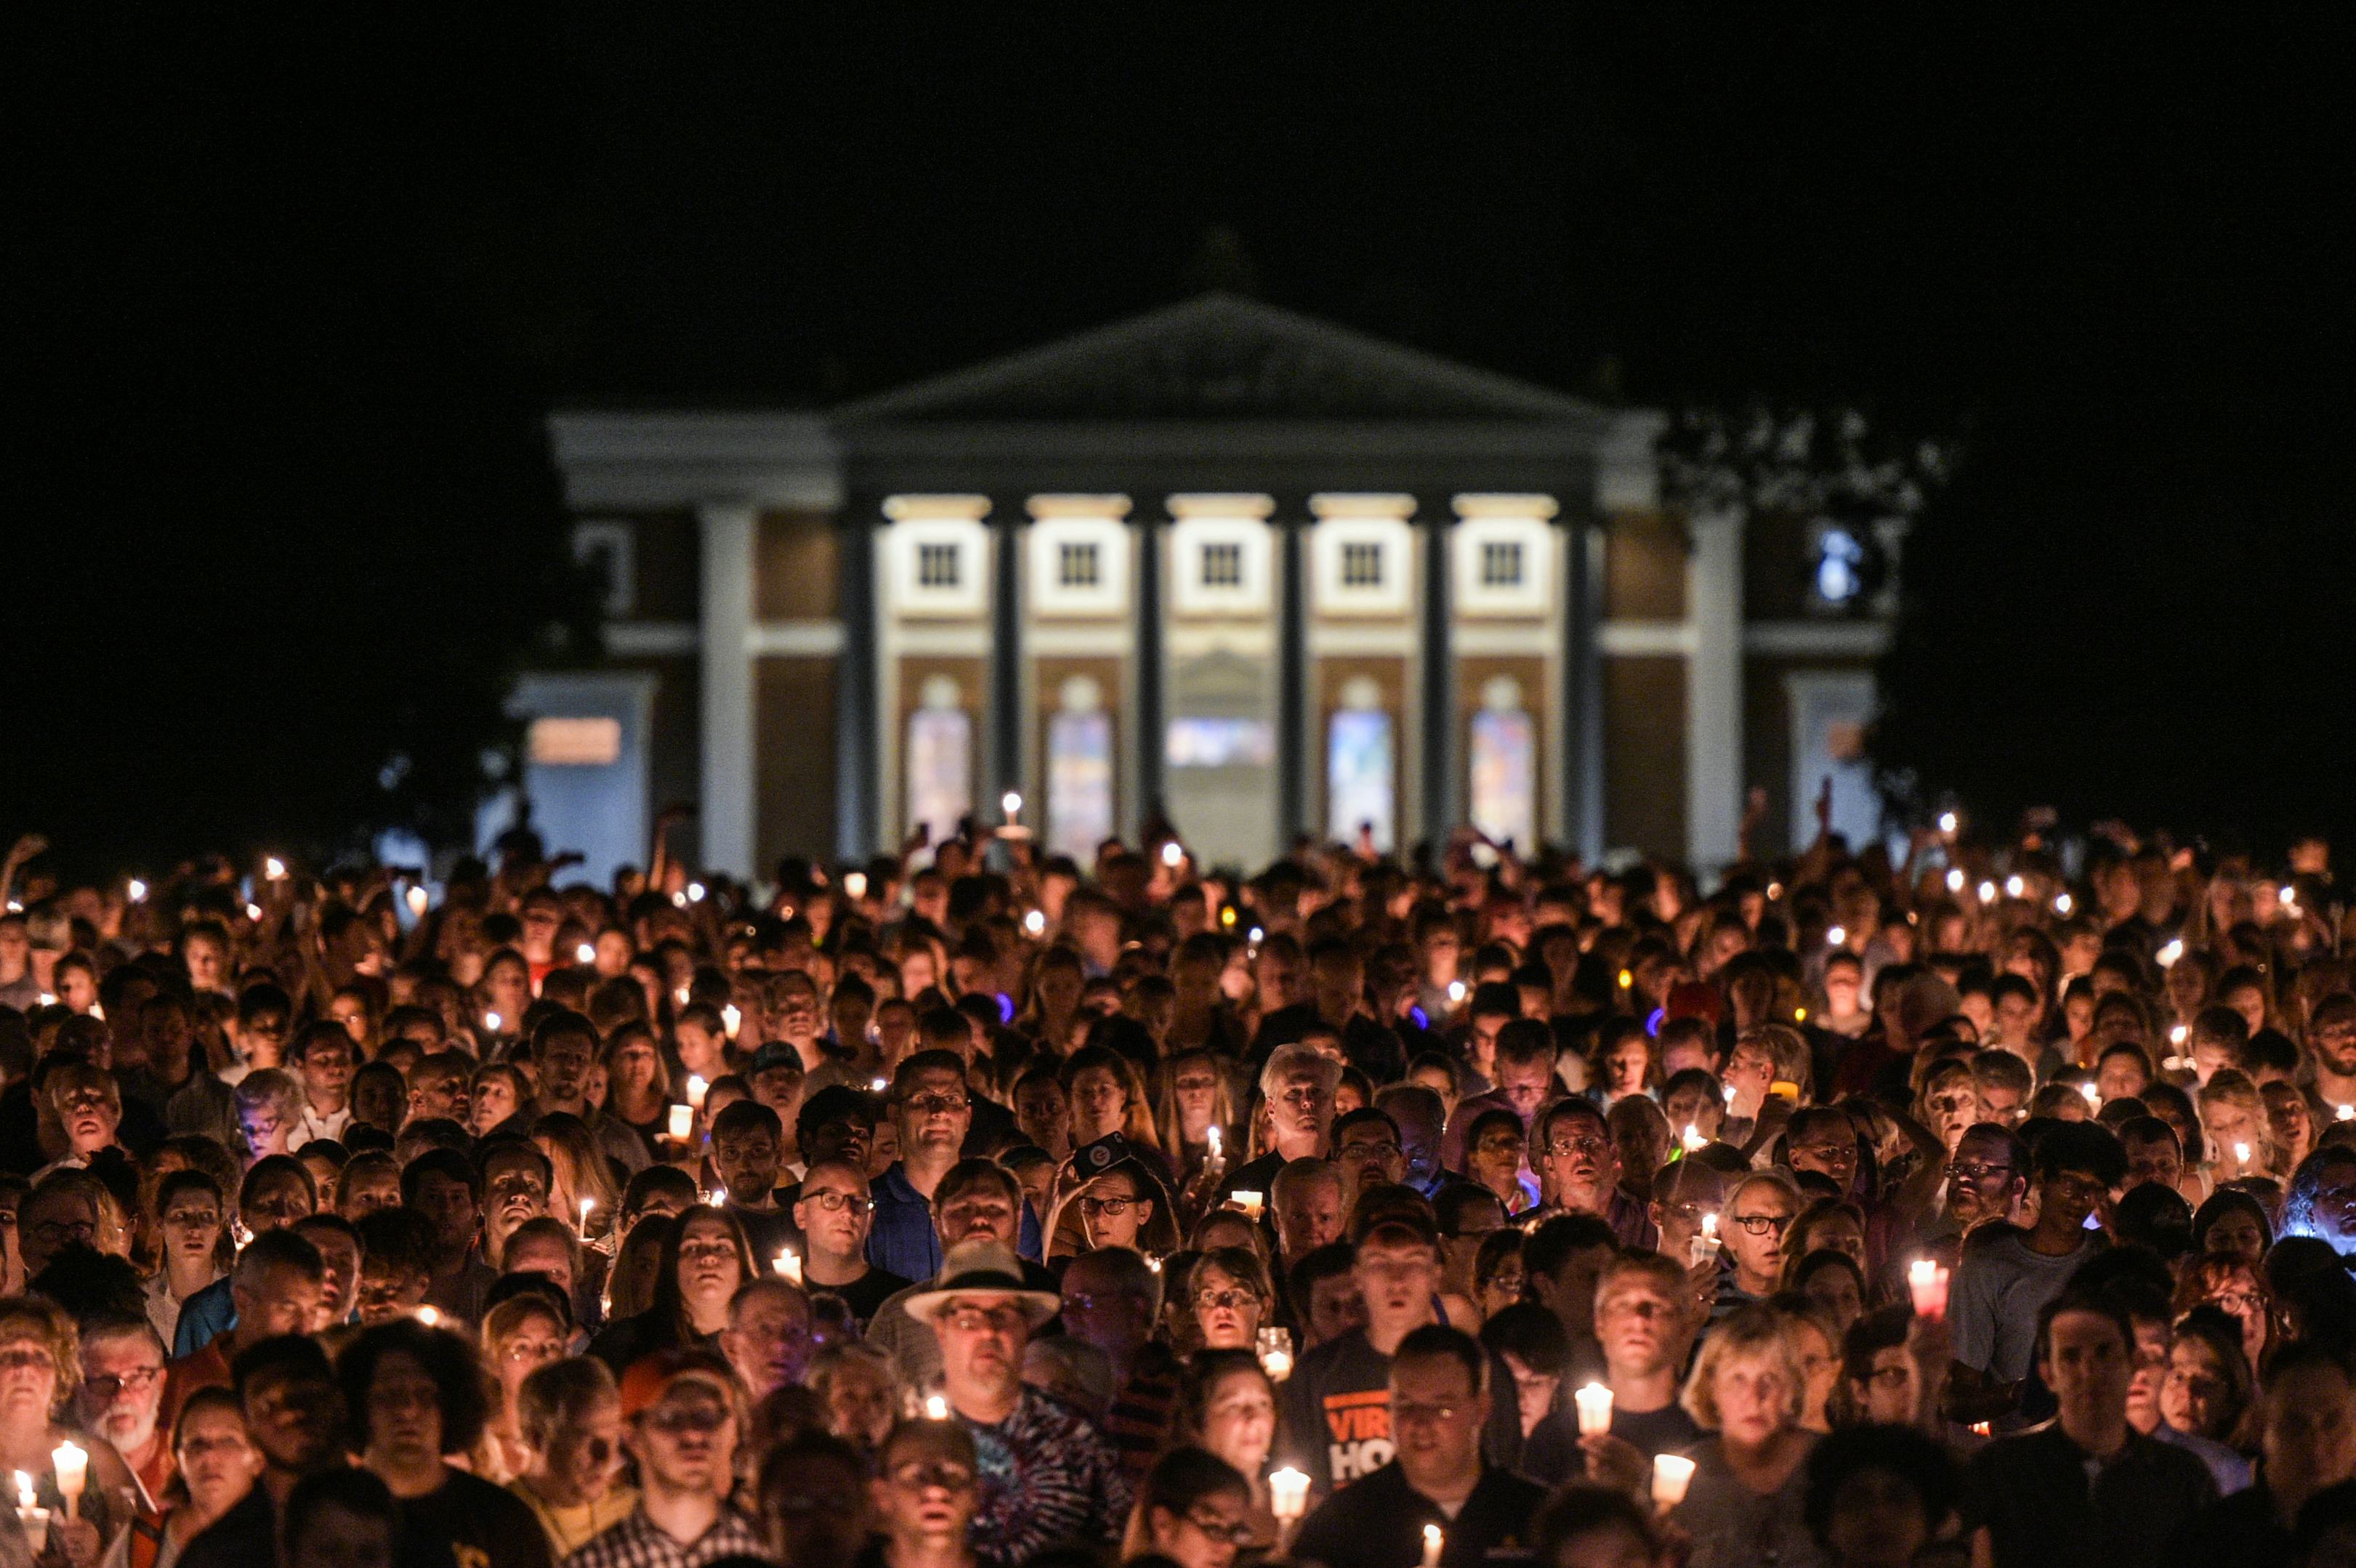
x=1714 y=782
x=727 y=815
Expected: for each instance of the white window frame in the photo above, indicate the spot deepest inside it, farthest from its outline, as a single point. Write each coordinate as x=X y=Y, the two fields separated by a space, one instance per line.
x=1190 y=537
x=1048 y=594
x=1533 y=595
x=1333 y=541
x=906 y=543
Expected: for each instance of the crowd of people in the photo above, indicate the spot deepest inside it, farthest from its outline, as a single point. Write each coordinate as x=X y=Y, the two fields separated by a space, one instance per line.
x=976 y=1209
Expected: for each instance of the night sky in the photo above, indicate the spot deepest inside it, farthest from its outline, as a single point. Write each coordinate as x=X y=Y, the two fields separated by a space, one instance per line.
x=290 y=305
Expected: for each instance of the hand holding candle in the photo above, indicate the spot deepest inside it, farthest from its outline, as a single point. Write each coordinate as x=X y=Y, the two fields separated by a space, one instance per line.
x=1288 y=1498
x=1251 y=1203
x=1594 y=1403
x=682 y=1123
x=789 y=1267
x=1704 y=1241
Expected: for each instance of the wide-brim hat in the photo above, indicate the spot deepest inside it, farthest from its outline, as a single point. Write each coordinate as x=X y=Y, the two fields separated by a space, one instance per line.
x=983 y=1268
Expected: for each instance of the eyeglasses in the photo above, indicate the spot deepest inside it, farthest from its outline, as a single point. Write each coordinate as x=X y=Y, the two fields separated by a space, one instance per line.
x=1978 y=1172
x=1563 y=1149
x=1115 y=1207
x=1234 y=1533
x=138 y=1380
x=916 y=1475
x=836 y=1203
x=1762 y=1224
x=679 y=1418
x=974 y=1319
x=1227 y=1300
x=57 y=1233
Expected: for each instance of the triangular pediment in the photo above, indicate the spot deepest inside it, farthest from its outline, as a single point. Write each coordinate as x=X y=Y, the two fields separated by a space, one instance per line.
x=1216 y=358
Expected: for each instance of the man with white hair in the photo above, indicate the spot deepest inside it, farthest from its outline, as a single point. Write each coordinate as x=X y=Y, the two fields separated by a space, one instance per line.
x=1298 y=1084
x=122 y=1396
x=1049 y=1478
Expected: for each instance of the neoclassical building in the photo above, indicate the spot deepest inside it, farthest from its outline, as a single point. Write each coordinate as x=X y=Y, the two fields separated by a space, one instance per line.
x=1263 y=573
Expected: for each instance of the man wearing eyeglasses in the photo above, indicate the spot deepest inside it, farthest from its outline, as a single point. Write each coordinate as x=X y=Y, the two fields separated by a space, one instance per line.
x=834 y=1212
x=1439 y=1402
x=122 y=1396
x=1759 y=1210
x=680 y=1426
x=1049 y=1478
x=1579 y=1171
x=2006 y=1279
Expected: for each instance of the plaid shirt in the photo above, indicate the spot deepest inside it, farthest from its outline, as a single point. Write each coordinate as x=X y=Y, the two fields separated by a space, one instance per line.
x=638 y=1543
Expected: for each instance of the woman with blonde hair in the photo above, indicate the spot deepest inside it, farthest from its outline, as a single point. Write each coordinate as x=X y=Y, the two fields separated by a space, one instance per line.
x=41 y=1372
x=580 y=1174
x=521 y=1335
x=2235 y=1125
x=1748 y=1391
x=1194 y=1096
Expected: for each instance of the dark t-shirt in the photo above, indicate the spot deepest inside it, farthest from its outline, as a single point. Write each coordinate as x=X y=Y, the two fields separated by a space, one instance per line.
x=485 y=1526
x=1337 y=1413
x=866 y=1293
x=2035 y=1498
x=1378 y=1523
x=1551 y=1452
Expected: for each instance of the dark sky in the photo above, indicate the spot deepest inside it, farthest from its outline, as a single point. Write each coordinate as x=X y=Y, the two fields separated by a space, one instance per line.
x=292 y=297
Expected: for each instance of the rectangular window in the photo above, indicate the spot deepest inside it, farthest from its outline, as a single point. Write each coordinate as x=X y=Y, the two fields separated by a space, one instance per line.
x=1223 y=566
x=1075 y=565
x=936 y=566
x=1362 y=565
x=1500 y=563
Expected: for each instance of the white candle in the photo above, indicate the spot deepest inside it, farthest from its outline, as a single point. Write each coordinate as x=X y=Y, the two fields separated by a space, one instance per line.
x=2094 y=1095
x=429 y=1316
x=586 y=953
x=696 y=1090
x=1288 y=1494
x=24 y=1488
x=1704 y=1241
x=1672 y=1474
x=2240 y=1154
x=1455 y=990
x=138 y=891
x=682 y=1123
x=418 y=900
x=1693 y=1140
x=1036 y=922
x=586 y=1205
x=936 y=1408
x=2345 y=1114
x=73 y=1463
x=1012 y=804
x=1432 y=1543
x=1251 y=1203
x=1277 y=1365
x=717 y=1197
x=731 y=1020
x=789 y=1267
x=1594 y=1403
x=273 y=869
x=1927 y=1283
x=1215 y=1143
x=36 y=1521
x=492 y=1022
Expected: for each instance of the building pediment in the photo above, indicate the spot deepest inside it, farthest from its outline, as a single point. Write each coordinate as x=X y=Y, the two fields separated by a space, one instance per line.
x=1220 y=357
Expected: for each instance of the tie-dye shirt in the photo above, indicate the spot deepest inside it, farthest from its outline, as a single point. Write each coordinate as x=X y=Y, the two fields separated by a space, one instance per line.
x=1048 y=1477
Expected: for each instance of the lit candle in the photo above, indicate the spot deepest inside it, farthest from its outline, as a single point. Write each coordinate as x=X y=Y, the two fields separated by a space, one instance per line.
x=418 y=900
x=1251 y=1203
x=492 y=1023
x=1432 y=1543
x=2094 y=1095
x=1954 y=880
x=2240 y=1154
x=1927 y=1283
x=855 y=885
x=586 y=1205
x=2015 y=885
x=1036 y=922
x=1277 y=1364
x=936 y=1408
x=1728 y=1090
x=682 y=1123
x=2063 y=904
x=430 y=1316
x=253 y=912
x=2178 y=1034
x=2169 y=952
x=2345 y=1114
x=1672 y=1474
x=72 y=1462
x=1215 y=1143
x=695 y=892
x=586 y=953
x=1704 y=1241
x=678 y=997
x=731 y=1019
x=1988 y=893
x=273 y=869
x=1627 y=978
x=1012 y=804
x=1594 y=1403
x=788 y=1268
x=1694 y=1141
x=1947 y=823
x=696 y=1090
x=24 y=1488
x=717 y=1197
x=138 y=891
x=1455 y=990
x=1172 y=855
x=1837 y=937
x=1288 y=1494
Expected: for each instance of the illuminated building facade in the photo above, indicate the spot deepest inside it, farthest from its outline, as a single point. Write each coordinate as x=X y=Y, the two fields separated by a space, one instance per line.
x=1263 y=573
